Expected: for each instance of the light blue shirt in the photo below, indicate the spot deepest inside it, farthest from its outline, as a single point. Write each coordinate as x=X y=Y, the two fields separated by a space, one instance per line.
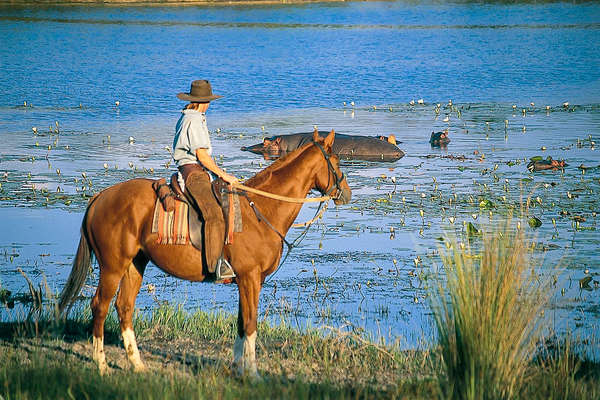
x=191 y=133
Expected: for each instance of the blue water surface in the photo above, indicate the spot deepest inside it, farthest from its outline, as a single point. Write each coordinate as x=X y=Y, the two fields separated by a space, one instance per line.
x=283 y=69
x=297 y=56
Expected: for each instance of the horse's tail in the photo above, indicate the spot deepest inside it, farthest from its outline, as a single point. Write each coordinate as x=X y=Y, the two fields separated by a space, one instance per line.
x=81 y=267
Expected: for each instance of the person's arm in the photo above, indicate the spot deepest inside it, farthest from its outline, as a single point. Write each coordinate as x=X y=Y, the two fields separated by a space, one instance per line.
x=207 y=162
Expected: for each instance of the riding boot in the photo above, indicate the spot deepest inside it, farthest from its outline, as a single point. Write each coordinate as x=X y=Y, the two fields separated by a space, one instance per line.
x=199 y=188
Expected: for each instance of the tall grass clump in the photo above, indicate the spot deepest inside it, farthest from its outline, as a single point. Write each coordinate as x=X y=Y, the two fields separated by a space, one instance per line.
x=488 y=313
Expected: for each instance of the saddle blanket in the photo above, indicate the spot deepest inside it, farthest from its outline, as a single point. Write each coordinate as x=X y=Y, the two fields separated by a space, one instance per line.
x=172 y=226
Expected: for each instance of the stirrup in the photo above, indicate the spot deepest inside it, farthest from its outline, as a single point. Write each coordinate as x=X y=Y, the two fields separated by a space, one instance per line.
x=224 y=270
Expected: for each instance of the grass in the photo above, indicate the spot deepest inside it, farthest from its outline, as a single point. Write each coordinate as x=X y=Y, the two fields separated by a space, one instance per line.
x=487 y=313
x=489 y=318
x=189 y=356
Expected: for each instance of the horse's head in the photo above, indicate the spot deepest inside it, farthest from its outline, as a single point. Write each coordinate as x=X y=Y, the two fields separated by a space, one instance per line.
x=330 y=180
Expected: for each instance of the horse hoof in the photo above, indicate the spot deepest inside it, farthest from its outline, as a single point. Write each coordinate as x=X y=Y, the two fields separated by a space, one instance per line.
x=139 y=367
x=256 y=377
x=251 y=376
x=250 y=373
x=103 y=369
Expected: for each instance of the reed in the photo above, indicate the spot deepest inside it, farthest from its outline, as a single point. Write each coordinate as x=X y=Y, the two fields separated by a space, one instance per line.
x=488 y=314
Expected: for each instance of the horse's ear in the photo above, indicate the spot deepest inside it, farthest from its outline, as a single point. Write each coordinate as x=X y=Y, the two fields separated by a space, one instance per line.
x=315 y=135
x=328 y=143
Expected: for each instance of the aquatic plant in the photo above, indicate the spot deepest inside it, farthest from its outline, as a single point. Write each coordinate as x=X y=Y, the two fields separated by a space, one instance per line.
x=488 y=313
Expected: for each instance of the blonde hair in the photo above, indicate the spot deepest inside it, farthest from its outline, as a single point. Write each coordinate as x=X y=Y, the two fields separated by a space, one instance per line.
x=195 y=105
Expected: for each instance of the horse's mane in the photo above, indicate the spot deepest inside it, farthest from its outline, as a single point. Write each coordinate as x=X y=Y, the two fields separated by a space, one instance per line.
x=264 y=175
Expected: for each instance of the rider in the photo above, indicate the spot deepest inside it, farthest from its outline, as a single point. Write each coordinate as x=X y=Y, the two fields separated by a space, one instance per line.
x=192 y=152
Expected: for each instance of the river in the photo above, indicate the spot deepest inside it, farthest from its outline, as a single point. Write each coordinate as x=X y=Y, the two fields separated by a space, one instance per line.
x=507 y=69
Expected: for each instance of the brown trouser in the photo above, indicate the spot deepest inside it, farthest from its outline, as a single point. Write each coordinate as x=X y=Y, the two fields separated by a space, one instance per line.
x=199 y=188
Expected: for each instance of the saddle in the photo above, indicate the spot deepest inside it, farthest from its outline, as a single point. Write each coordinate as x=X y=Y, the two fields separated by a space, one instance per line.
x=172 y=200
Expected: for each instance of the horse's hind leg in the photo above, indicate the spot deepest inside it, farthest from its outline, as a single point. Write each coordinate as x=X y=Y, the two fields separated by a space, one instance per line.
x=107 y=287
x=128 y=291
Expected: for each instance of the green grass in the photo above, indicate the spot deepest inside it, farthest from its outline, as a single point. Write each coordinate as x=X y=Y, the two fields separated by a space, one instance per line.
x=189 y=355
x=489 y=319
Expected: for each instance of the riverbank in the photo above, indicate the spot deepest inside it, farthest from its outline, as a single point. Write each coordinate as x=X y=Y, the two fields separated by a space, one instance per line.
x=235 y=2
x=160 y=3
x=189 y=356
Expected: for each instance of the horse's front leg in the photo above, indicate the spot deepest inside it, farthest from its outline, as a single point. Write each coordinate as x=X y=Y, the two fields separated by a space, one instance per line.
x=244 y=349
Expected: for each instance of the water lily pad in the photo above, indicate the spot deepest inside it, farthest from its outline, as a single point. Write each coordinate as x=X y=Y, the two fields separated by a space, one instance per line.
x=4 y=295
x=535 y=222
x=584 y=283
x=485 y=203
x=472 y=230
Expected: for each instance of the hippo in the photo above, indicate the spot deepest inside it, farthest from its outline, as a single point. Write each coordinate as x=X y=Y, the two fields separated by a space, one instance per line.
x=539 y=165
x=368 y=148
x=439 y=139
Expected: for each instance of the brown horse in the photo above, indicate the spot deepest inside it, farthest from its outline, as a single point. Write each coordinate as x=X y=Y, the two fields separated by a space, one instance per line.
x=116 y=227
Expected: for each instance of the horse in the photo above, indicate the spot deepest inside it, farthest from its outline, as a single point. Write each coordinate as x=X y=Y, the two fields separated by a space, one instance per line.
x=116 y=228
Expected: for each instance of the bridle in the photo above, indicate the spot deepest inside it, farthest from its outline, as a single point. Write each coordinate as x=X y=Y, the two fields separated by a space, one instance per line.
x=337 y=179
x=322 y=207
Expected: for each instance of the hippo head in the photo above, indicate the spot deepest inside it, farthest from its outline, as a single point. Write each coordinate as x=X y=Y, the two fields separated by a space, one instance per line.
x=439 y=139
x=390 y=139
x=272 y=145
x=270 y=148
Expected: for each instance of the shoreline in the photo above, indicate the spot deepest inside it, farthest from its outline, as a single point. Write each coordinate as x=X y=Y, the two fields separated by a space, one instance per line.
x=178 y=3
x=48 y=358
x=166 y=3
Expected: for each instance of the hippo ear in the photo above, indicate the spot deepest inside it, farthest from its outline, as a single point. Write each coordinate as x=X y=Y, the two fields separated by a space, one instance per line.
x=315 y=135
x=328 y=143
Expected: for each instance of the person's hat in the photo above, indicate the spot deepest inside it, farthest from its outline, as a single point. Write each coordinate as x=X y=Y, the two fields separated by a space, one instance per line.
x=200 y=92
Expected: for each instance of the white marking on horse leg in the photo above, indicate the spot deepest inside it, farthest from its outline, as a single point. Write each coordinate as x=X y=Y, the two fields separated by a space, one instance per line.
x=250 y=354
x=244 y=355
x=99 y=355
x=131 y=348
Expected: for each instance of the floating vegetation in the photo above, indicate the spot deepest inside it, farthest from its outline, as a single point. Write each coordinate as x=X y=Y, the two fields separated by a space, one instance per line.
x=534 y=222
x=399 y=211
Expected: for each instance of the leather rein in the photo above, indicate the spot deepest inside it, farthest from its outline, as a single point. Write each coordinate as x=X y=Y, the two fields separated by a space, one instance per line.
x=326 y=197
x=322 y=206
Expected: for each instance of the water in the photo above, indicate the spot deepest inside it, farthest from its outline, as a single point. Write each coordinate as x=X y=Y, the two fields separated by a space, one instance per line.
x=285 y=69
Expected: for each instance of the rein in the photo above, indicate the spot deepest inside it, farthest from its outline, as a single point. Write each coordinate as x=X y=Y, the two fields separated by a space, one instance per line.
x=280 y=197
x=320 y=211
x=296 y=241
x=321 y=199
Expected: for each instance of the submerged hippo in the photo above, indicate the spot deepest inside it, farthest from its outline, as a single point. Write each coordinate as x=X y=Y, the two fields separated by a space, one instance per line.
x=549 y=163
x=439 y=139
x=378 y=148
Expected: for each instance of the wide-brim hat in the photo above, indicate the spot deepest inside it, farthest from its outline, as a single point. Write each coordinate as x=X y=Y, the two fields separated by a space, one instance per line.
x=200 y=92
